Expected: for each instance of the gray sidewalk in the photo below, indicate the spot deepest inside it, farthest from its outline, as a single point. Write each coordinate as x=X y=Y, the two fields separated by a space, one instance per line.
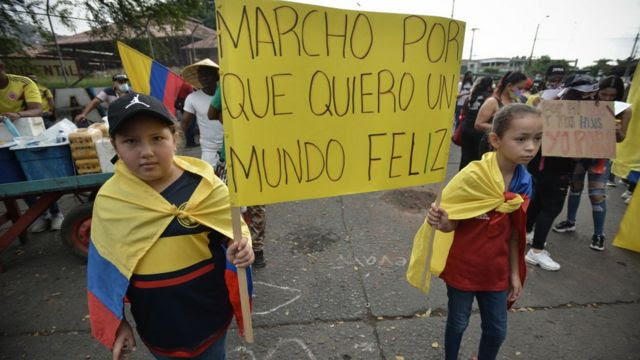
x=334 y=288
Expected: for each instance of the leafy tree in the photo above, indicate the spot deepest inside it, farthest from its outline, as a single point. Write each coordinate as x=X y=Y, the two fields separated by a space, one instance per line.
x=131 y=18
x=626 y=62
x=601 y=67
x=138 y=15
x=208 y=16
x=21 y=24
x=490 y=70
x=539 y=66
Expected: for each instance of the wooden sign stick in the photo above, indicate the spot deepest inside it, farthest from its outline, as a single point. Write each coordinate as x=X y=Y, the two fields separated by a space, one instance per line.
x=242 y=279
x=427 y=275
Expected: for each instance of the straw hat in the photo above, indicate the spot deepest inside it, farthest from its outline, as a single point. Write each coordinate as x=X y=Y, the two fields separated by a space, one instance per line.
x=190 y=73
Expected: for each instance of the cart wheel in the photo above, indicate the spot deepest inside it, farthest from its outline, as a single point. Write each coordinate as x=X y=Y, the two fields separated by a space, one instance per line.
x=76 y=229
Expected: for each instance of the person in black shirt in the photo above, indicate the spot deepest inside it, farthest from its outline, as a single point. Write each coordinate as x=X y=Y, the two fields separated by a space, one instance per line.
x=481 y=90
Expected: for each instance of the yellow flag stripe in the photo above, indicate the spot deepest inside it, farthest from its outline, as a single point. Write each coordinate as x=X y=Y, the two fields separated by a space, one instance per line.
x=138 y=68
x=627 y=154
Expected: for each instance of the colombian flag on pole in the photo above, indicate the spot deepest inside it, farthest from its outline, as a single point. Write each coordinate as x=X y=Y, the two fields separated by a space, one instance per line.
x=149 y=77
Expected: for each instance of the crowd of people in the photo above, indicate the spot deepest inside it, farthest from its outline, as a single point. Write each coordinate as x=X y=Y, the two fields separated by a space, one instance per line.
x=173 y=262
x=553 y=177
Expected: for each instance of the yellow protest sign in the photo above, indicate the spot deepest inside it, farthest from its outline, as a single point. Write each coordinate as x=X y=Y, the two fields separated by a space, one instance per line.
x=578 y=129
x=320 y=102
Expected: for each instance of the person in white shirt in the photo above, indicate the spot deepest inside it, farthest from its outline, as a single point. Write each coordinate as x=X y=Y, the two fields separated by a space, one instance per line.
x=119 y=86
x=204 y=76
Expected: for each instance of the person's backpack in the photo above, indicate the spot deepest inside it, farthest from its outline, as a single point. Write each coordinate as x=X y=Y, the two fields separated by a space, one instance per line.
x=456 y=138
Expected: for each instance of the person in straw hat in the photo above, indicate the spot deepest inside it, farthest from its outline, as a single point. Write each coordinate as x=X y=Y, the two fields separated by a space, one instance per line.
x=203 y=75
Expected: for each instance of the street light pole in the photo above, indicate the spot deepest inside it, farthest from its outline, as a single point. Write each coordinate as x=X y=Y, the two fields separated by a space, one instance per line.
x=627 y=71
x=535 y=37
x=153 y=54
x=55 y=40
x=193 y=49
x=534 y=43
x=473 y=35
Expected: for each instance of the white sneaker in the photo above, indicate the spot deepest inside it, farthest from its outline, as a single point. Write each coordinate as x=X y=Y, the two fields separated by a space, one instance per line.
x=41 y=224
x=529 y=237
x=625 y=195
x=541 y=259
x=56 y=221
x=627 y=200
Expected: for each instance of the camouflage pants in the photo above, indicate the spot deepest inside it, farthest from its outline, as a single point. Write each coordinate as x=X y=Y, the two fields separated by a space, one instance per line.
x=255 y=218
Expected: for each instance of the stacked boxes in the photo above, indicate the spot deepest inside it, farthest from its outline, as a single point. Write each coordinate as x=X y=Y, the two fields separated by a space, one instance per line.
x=103 y=127
x=104 y=147
x=83 y=150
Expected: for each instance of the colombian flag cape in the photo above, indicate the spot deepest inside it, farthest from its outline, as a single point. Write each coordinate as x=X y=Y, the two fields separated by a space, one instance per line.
x=149 y=77
x=475 y=190
x=128 y=218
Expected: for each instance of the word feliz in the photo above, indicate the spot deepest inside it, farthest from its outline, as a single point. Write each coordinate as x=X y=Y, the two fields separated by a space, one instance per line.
x=288 y=30
x=331 y=95
x=390 y=155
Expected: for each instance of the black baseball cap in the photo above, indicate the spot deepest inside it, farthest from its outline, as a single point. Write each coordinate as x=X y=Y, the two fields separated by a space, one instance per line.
x=556 y=70
x=120 y=77
x=130 y=105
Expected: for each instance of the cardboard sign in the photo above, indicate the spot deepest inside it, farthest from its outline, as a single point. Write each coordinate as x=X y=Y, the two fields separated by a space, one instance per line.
x=578 y=129
x=319 y=102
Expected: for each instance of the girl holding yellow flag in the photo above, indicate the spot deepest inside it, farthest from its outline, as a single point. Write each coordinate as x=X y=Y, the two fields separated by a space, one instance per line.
x=479 y=240
x=159 y=238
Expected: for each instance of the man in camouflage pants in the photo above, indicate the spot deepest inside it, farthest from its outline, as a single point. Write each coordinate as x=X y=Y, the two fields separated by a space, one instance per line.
x=254 y=216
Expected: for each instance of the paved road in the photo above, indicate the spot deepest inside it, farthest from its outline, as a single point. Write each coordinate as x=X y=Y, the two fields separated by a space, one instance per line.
x=334 y=288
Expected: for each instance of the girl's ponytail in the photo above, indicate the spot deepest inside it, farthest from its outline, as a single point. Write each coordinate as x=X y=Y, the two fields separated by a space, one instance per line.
x=511 y=77
x=502 y=84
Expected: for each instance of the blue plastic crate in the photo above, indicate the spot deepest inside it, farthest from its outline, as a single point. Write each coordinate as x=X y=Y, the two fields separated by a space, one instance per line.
x=11 y=170
x=45 y=161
